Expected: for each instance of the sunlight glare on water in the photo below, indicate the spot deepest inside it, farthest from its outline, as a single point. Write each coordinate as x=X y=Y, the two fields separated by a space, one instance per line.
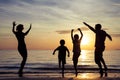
x=86 y=58
x=88 y=76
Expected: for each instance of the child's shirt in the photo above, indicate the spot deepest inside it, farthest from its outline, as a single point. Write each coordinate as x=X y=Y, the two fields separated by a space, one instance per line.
x=76 y=46
x=62 y=51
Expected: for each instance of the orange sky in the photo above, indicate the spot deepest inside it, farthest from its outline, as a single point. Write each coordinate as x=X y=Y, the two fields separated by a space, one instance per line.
x=53 y=20
x=50 y=41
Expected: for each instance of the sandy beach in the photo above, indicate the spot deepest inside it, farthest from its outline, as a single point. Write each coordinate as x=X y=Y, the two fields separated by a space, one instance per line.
x=57 y=76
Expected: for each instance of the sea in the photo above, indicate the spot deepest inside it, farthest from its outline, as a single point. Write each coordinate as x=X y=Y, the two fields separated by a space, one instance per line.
x=43 y=61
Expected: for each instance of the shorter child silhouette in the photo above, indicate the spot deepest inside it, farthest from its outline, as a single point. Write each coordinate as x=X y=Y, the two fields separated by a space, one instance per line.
x=62 y=54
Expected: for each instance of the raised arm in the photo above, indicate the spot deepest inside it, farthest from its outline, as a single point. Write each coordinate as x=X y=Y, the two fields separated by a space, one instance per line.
x=80 y=33
x=28 y=30
x=91 y=28
x=110 y=38
x=72 y=34
x=13 y=29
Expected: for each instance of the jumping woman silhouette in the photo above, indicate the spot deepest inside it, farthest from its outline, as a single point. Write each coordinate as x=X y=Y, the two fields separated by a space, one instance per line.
x=21 y=44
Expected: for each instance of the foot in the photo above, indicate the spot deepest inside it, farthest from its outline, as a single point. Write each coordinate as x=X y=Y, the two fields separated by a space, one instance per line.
x=62 y=75
x=101 y=73
x=76 y=74
x=106 y=74
x=20 y=74
x=59 y=67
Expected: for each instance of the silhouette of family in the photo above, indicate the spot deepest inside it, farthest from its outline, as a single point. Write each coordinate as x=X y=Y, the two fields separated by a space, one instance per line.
x=100 y=36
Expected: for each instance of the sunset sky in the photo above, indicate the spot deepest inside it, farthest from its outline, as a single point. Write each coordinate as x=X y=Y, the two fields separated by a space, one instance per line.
x=53 y=20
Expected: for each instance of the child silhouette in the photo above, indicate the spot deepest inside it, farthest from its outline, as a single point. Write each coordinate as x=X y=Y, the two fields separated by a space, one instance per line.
x=62 y=55
x=21 y=44
x=76 y=48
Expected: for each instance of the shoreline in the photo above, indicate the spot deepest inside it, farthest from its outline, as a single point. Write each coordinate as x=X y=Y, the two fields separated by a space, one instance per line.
x=55 y=70
x=57 y=76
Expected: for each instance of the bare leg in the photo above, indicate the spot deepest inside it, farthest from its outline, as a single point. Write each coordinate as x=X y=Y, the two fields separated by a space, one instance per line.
x=63 y=70
x=75 y=67
x=100 y=68
x=22 y=66
x=59 y=63
x=105 y=67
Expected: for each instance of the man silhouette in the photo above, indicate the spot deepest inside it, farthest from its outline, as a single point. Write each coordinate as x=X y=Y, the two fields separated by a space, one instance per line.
x=99 y=46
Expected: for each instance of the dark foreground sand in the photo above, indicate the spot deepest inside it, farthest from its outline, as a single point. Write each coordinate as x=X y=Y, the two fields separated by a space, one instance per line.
x=68 y=76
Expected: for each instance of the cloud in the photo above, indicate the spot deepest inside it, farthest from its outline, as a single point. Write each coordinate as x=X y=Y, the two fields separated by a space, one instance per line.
x=115 y=1
x=69 y=31
x=105 y=29
x=56 y=10
x=115 y=35
x=117 y=4
x=63 y=31
x=84 y=28
x=36 y=10
x=5 y=35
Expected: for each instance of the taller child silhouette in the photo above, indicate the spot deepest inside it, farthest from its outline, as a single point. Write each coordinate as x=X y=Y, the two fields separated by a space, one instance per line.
x=21 y=44
x=99 y=46
x=76 y=48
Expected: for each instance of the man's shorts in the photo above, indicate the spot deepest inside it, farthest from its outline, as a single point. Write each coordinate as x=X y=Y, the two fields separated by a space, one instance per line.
x=99 y=54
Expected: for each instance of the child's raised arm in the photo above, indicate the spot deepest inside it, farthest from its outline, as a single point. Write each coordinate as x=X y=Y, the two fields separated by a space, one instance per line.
x=80 y=33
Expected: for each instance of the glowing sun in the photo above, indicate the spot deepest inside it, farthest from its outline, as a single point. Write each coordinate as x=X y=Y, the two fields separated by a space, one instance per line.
x=85 y=41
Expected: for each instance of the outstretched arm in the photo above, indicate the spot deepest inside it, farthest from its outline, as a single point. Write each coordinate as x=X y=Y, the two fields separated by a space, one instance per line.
x=13 y=29
x=54 y=51
x=80 y=33
x=109 y=36
x=91 y=28
x=72 y=33
x=28 y=30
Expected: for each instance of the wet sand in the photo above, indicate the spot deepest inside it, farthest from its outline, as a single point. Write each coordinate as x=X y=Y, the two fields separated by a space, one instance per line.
x=57 y=76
